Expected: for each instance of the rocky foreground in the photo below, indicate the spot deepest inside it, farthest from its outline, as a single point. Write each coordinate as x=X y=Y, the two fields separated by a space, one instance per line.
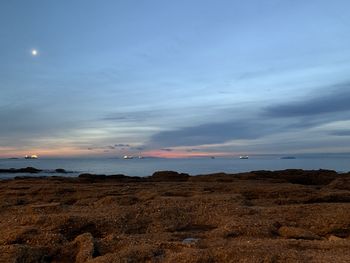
x=283 y=216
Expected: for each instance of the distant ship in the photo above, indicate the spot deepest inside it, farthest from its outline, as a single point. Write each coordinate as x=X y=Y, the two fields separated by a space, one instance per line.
x=244 y=157
x=128 y=157
x=31 y=156
x=288 y=157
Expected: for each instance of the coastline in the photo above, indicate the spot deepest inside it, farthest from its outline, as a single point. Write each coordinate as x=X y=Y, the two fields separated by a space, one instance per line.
x=259 y=216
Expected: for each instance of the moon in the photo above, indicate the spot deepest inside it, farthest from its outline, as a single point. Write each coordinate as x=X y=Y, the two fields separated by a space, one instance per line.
x=34 y=52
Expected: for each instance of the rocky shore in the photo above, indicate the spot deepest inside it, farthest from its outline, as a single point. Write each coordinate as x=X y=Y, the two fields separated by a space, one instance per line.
x=261 y=216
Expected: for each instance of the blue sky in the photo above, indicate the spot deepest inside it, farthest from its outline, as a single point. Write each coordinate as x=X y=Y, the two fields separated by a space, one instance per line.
x=174 y=78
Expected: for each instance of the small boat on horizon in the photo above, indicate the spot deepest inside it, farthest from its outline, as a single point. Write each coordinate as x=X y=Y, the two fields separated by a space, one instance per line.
x=128 y=157
x=244 y=157
x=31 y=156
x=288 y=157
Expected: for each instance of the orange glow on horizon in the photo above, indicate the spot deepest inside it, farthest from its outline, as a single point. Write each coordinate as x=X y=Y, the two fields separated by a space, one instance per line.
x=183 y=154
x=77 y=152
x=61 y=152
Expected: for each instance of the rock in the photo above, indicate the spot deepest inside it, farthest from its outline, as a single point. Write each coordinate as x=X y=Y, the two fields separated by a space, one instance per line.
x=340 y=183
x=21 y=170
x=341 y=232
x=150 y=221
x=294 y=176
x=169 y=176
x=114 y=177
x=190 y=240
x=124 y=178
x=53 y=207
x=29 y=170
x=330 y=197
x=86 y=247
x=25 y=177
x=92 y=177
x=334 y=238
x=54 y=204
x=118 y=176
x=297 y=233
x=19 y=235
x=61 y=171
x=24 y=253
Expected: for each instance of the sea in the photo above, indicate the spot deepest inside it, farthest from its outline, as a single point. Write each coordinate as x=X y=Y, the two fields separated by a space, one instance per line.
x=193 y=166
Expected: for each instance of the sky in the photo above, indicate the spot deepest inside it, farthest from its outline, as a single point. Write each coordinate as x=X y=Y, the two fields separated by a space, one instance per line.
x=174 y=78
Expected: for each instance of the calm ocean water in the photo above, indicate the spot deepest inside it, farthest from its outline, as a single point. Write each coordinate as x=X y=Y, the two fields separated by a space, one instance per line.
x=145 y=167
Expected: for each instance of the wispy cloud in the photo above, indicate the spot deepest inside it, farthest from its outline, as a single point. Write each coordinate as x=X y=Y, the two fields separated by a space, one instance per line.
x=122 y=145
x=326 y=105
x=210 y=133
x=132 y=116
x=340 y=133
x=332 y=99
x=166 y=150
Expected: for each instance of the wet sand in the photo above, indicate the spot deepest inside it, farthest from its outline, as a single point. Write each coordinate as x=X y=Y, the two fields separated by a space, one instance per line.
x=284 y=216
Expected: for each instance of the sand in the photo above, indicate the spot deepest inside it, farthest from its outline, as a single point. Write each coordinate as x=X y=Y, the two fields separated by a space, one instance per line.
x=284 y=216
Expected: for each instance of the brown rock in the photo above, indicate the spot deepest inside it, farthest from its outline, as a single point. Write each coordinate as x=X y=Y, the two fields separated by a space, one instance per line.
x=23 y=253
x=334 y=238
x=295 y=176
x=121 y=219
x=92 y=177
x=86 y=247
x=54 y=204
x=297 y=233
x=341 y=183
x=169 y=176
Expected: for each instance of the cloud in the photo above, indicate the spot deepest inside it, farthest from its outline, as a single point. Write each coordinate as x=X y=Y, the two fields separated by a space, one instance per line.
x=27 y=125
x=132 y=116
x=117 y=147
x=329 y=105
x=334 y=99
x=105 y=148
x=139 y=148
x=121 y=145
x=166 y=150
x=340 y=133
x=115 y=118
x=193 y=150
x=210 y=133
x=110 y=147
